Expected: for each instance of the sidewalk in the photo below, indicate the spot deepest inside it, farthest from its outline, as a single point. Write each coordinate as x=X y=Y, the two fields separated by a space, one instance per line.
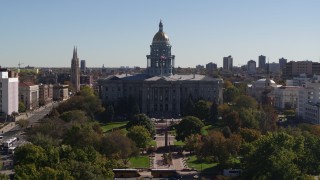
x=8 y=127
x=11 y=125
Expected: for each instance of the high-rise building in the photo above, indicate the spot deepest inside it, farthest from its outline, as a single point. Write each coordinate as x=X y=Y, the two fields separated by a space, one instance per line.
x=83 y=65
x=228 y=63
x=299 y=67
x=9 y=84
x=75 y=71
x=262 y=62
x=211 y=66
x=282 y=63
x=251 y=66
x=160 y=61
x=86 y=80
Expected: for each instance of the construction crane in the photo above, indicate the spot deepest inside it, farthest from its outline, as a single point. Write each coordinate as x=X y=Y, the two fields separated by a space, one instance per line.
x=19 y=64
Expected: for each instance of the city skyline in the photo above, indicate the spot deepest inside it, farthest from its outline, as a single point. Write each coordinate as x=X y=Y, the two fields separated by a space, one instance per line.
x=119 y=33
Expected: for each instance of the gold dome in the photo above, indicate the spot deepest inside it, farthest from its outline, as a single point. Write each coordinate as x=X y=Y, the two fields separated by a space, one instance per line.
x=160 y=36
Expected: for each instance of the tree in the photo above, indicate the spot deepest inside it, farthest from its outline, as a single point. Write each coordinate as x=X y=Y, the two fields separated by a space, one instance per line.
x=85 y=101
x=248 y=118
x=232 y=120
x=273 y=156
x=81 y=136
x=77 y=116
x=22 y=107
x=117 y=145
x=227 y=84
x=110 y=112
x=4 y=176
x=226 y=132
x=188 y=107
x=14 y=114
x=187 y=126
x=54 y=113
x=213 y=145
x=214 y=113
x=30 y=154
x=223 y=109
x=142 y=120
x=249 y=135
x=26 y=171
x=48 y=173
x=230 y=94
x=193 y=143
x=86 y=91
x=245 y=101
x=268 y=119
x=140 y=135
x=202 y=109
x=233 y=143
x=23 y=123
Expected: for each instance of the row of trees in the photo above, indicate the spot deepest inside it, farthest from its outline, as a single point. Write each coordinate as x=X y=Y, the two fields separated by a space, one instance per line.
x=246 y=136
x=283 y=154
x=70 y=144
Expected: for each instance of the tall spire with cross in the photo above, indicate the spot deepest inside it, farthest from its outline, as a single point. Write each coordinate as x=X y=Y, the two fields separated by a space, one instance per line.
x=75 y=70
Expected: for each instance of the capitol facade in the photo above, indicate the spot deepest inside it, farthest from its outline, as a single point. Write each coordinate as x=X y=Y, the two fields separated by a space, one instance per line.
x=160 y=92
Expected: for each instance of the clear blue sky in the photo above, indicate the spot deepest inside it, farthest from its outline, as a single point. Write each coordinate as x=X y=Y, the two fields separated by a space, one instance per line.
x=119 y=32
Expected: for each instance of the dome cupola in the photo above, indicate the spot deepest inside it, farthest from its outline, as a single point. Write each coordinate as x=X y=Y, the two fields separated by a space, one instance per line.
x=160 y=36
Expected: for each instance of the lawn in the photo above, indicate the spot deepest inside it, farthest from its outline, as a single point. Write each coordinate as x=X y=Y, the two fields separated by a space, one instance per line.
x=153 y=143
x=114 y=125
x=209 y=126
x=193 y=162
x=139 y=162
x=179 y=143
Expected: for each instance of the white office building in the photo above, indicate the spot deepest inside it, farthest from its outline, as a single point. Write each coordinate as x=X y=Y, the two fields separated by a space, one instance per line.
x=9 y=83
x=309 y=101
x=286 y=97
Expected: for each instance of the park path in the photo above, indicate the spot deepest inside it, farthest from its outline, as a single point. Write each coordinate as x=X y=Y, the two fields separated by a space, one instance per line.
x=157 y=161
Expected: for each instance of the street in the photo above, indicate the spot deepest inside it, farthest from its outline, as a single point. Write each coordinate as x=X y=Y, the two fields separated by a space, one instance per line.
x=12 y=130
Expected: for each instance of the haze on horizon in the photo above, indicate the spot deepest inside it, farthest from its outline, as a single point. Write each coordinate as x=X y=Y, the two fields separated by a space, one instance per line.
x=119 y=33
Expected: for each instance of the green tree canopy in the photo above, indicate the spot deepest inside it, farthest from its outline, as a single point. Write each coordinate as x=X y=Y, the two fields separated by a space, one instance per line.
x=248 y=118
x=30 y=154
x=188 y=107
x=142 y=120
x=232 y=120
x=273 y=156
x=214 y=113
x=117 y=145
x=244 y=101
x=23 y=123
x=202 y=109
x=187 y=126
x=230 y=94
x=140 y=135
x=110 y=113
x=22 y=107
x=75 y=116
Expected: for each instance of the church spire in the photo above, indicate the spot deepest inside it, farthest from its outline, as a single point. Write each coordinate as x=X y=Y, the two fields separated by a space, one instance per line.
x=74 y=53
x=75 y=71
x=160 y=26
